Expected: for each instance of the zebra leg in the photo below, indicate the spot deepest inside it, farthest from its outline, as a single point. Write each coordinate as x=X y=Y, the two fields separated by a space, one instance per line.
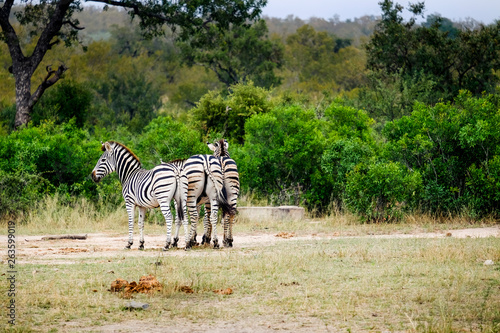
x=142 y=214
x=213 y=220
x=207 y=227
x=193 y=213
x=185 y=222
x=228 y=229
x=130 y=210
x=165 y=209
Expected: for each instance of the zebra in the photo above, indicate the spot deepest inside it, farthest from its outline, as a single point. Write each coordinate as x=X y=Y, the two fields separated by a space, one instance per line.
x=232 y=187
x=144 y=188
x=205 y=185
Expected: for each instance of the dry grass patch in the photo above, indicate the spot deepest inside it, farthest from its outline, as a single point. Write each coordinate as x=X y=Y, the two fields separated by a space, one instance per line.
x=362 y=285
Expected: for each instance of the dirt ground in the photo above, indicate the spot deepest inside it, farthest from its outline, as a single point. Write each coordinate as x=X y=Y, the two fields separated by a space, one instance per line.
x=36 y=250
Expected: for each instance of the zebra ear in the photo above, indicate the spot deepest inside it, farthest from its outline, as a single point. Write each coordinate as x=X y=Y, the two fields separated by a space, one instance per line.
x=226 y=145
x=108 y=147
x=211 y=146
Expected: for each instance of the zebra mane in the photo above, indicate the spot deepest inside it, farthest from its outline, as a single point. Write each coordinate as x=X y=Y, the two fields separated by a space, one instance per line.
x=124 y=147
x=222 y=146
x=179 y=160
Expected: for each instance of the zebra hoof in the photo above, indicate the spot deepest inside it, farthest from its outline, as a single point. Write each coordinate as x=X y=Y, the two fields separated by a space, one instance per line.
x=141 y=246
x=205 y=240
x=128 y=246
x=167 y=246
x=176 y=240
x=216 y=244
x=165 y=249
x=227 y=242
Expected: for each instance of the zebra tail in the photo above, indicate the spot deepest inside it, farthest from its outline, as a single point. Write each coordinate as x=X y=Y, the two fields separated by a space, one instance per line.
x=179 y=207
x=221 y=193
x=223 y=204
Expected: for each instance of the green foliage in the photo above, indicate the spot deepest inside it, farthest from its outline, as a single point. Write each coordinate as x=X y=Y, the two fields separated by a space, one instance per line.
x=281 y=156
x=382 y=191
x=19 y=190
x=167 y=139
x=241 y=54
x=245 y=101
x=320 y=61
x=45 y=159
x=66 y=100
x=131 y=96
x=347 y=122
x=454 y=60
x=339 y=159
x=452 y=146
x=388 y=97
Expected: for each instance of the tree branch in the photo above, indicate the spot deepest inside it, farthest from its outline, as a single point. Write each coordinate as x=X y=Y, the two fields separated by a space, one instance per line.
x=53 y=27
x=52 y=77
x=74 y=26
x=12 y=40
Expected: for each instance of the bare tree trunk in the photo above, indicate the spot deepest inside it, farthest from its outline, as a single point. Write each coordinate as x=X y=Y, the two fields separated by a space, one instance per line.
x=23 y=97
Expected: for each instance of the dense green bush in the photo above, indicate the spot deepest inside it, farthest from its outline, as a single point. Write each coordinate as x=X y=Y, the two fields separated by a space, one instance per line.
x=66 y=100
x=45 y=159
x=382 y=191
x=281 y=156
x=455 y=148
x=339 y=159
x=167 y=139
x=245 y=101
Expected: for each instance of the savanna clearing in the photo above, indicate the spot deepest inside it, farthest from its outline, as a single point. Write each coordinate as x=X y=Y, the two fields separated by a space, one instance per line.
x=315 y=275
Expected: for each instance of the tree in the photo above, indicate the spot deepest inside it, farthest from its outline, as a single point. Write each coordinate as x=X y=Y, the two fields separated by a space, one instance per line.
x=240 y=54
x=52 y=21
x=453 y=59
x=319 y=61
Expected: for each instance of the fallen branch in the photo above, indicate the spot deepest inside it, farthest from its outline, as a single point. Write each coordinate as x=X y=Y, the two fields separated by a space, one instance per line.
x=65 y=237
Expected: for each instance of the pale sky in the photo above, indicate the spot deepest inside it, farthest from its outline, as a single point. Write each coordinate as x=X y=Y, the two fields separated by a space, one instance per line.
x=485 y=11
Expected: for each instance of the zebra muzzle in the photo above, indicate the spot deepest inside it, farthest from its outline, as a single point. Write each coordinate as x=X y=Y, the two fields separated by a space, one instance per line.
x=94 y=177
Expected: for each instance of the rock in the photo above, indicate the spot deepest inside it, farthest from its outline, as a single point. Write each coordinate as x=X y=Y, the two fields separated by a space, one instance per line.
x=488 y=262
x=133 y=305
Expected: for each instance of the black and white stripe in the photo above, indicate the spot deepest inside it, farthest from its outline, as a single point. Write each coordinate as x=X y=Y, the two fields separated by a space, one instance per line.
x=144 y=188
x=231 y=186
x=205 y=185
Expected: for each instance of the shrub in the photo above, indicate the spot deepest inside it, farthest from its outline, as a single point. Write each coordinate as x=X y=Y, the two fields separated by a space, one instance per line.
x=281 y=156
x=340 y=158
x=167 y=139
x=451 y=145
x=382 y=191
x=245 y=101
x=46 y=159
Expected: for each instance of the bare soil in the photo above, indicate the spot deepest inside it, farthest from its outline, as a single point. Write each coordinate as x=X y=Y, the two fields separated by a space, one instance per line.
x=35 y=250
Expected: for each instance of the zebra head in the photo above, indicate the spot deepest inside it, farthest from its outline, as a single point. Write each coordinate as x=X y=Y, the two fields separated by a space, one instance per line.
x=219 y=147
x=106 y=163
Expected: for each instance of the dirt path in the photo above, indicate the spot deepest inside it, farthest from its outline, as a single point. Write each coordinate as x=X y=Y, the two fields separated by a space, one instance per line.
x=33 y=249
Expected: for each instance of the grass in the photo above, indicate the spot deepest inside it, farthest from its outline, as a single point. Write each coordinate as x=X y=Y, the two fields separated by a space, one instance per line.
x=340 y=284
x=422 y=285
x=53 y=216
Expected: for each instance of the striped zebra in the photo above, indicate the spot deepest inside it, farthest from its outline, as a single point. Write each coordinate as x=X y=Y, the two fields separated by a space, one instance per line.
x=205 y=185
x=144 y=188
x=232 y=187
